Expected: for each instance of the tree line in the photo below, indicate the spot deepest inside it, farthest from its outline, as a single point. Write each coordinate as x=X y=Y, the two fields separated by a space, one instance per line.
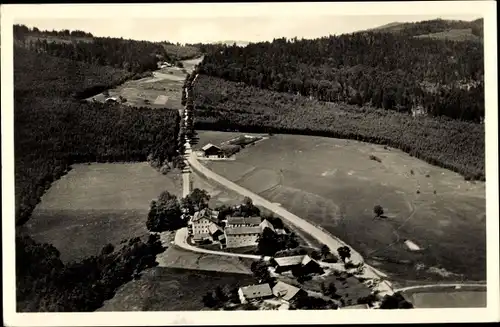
x=53 y=130
x=384 y=70
x=228 y=106
x=45 y=284
x=130 y=55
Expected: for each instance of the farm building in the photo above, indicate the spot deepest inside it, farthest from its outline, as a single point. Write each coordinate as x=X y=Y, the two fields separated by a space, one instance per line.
x=266 y=224
x=237 y=237
x=304 y=262
x=287 y=292
x=243 y=221
x=215 y=231
x=254 y=292
x=280 y=231
x=212 y=151
x=286 y=263
x=201 y=224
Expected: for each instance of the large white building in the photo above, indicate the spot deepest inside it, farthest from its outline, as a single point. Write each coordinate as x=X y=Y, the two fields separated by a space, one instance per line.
x=203 y=224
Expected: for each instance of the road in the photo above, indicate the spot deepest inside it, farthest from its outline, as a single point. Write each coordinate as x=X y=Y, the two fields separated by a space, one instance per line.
x=457 y=286
x=318 y=233
x=181 y=241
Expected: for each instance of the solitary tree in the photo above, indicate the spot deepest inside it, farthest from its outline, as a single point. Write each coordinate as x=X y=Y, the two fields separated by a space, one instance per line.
x=164 y=214
x=344 y=252
x=378 y=211
x=260 y=271
x=325 y=250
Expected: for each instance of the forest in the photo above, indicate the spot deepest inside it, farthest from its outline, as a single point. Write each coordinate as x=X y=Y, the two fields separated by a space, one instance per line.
x=426 y=27
x=130 y=55
x=53 y=128
x=45 y=284
x=448 y=143
x=393 y=71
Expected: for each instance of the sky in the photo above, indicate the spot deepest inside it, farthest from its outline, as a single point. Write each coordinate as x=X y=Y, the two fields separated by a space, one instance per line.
x=214 y=25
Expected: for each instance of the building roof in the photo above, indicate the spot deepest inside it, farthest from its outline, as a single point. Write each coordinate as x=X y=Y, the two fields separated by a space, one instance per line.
x=256 y=291
x=208 y=146
x=265 y=223
x=285 y=291
x=203 y=213
x=212 y=228
x=280 y=231
x=307 y=259
x=289 y=261
x=253 y=221
x=244 y=230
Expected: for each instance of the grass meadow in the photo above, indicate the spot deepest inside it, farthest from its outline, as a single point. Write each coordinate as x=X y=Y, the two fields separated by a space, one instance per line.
x=334 y=184
x=96 y=204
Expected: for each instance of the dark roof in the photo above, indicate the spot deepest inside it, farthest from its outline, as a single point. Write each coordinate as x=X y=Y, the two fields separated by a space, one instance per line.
x=244 y=230
x=203 y=213
x=265 y=223
x=209 y=146
x=255 y=221
x=256 y=291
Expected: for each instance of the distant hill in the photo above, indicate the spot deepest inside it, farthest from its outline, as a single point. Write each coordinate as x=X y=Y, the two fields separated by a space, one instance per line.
x=456 y=30
x=231 y=42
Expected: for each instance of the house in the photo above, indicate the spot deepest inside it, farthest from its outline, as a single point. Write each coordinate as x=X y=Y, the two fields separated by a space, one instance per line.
x=310 y=266
x=215 y=231
x=212 y=151
x=287 y=292
x=243 y=221
x=266 y=224
x=286 y=263
x=200 y=224
x=280 y=231
x=254 y=292
x=237 y=237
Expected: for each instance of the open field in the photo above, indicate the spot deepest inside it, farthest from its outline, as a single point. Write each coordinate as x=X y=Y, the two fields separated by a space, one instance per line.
x=169 y=289
x=333 y=183
x=162 y=89
x=175 y=257
x=448 y=297
x=97 y=204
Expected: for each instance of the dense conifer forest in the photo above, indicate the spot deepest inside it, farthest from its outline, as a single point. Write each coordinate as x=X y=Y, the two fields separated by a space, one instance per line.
x=54 y=128
x=130 y=55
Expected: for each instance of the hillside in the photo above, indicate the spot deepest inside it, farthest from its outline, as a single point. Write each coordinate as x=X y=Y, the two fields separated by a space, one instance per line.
x=225 y=106
x=53 y=129
x=455 y=30
x=131 y=55
x=393 y=71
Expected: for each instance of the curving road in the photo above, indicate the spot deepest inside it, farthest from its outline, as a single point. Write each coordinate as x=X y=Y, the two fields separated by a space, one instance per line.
x=457 y=286
x=318 y=233
x=181 y=241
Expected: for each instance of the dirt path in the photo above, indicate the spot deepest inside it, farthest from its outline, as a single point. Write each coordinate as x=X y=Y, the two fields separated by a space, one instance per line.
x=457 y=286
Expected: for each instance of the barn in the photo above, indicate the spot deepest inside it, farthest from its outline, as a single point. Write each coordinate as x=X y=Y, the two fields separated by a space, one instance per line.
x=212 y=151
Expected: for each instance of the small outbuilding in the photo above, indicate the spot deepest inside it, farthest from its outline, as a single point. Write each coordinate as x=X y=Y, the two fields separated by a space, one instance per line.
x=212 y=151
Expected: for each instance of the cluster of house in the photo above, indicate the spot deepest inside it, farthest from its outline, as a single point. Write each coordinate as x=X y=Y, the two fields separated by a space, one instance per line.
x=281 y=295
x=231 y=232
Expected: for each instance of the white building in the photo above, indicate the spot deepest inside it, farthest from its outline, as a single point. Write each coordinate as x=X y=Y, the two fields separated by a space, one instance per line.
x=254 y=292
